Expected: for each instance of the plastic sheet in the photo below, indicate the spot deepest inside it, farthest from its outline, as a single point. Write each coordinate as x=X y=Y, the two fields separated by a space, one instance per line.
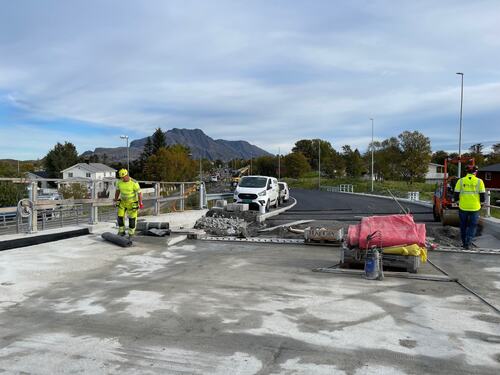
x=395 y=230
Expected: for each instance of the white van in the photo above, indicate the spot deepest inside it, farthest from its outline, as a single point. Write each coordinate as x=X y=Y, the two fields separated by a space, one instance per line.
x=258 y=191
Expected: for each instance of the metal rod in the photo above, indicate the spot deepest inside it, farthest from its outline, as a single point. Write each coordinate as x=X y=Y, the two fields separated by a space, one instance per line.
x=460 y=133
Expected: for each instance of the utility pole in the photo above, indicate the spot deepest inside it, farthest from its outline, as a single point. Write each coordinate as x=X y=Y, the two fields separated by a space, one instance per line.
x=372 y=153
x=279 y=163
x=319 y=164
x=460 y=133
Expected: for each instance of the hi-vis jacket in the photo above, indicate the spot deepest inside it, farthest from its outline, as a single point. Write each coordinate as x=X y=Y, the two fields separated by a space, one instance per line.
x=128 y=190
x=469 y=188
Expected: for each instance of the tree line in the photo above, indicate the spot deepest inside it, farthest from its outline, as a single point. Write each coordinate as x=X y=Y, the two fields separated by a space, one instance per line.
x=405 y=157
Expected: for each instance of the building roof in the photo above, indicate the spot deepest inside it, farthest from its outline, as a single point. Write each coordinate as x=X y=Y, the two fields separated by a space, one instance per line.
x=39 y=174
x=92 y=167
x=491 y=168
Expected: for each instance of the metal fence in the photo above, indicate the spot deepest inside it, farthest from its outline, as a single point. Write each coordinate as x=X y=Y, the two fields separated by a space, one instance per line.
x=84 y=201
x=344 y=188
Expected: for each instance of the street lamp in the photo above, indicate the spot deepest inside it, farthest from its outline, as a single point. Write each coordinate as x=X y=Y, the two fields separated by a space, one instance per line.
x=372 y=153
x=128 y=151
x=460 y=133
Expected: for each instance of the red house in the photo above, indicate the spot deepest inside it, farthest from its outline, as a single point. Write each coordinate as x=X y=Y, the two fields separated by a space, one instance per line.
x=491 y=176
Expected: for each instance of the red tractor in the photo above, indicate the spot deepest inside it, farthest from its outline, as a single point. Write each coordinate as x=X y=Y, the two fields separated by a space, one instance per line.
x=443 y=208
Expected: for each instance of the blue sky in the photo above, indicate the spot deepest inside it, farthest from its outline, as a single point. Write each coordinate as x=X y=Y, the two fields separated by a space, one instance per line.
x=269 y=72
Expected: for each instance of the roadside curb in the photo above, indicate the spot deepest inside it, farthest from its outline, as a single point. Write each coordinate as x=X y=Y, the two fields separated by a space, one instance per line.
x=262 y=217
x=420 y=203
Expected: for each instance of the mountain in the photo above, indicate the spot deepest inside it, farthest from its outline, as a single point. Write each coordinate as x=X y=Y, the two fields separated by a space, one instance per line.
x=198 y=142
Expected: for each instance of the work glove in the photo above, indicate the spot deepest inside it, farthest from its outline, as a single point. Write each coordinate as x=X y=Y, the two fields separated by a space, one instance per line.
x=117 y=203
x=141 y=206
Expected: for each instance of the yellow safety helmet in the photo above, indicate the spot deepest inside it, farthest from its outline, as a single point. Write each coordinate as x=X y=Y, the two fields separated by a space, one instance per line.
x=122 y=173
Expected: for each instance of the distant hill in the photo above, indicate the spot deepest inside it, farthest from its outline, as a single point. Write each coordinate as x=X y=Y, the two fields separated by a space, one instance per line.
x=198 y=142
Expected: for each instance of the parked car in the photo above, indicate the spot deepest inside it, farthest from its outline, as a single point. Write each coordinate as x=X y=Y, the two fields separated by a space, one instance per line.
x=257 y=191
x=284 y=192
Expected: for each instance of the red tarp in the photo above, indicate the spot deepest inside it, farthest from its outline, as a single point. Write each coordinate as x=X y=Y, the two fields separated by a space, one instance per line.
x=394 y=230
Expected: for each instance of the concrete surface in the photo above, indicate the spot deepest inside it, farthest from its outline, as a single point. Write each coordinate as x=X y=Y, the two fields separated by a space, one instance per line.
x=86 y=306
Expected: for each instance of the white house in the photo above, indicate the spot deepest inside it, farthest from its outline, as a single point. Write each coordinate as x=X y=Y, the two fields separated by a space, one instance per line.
x=435 y=173
x=96 y=172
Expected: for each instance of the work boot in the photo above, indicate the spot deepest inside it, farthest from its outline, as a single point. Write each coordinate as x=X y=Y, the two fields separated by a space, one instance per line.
x=121 y=231
x=466 y=247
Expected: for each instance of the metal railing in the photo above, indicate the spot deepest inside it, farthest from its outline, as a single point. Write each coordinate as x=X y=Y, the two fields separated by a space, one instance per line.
x=93 y=204
x=343 y=188
x=487 y=204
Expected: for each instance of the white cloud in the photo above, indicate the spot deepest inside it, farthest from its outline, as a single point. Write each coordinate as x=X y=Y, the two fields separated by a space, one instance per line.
x=256 y=71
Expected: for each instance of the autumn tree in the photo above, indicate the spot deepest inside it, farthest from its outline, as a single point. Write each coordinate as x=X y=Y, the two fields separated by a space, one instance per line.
x=171 y=164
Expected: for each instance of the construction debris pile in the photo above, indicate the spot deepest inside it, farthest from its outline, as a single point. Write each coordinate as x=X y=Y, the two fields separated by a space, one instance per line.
x=223 y=226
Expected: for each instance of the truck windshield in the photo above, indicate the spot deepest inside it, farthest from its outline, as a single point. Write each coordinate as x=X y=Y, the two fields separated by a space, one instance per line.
x=253 y=182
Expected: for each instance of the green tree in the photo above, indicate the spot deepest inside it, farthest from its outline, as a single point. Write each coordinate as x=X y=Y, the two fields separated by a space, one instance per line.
x=10 y=193
x=60 y=158
x=137 y=166
x=171 y=164
x=416 y=154
x=494 y=156
x=158 y=140
x=308 y=148
x=295 y=165
x=354 y=164
x=476 y=152
x=439 y=157
x=265 y=165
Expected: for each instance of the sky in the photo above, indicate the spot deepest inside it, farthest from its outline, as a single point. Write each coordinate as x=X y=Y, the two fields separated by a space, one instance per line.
x=267 y=71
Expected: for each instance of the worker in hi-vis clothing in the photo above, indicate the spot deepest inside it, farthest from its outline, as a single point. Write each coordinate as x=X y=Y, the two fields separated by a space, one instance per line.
x=129 y=192
x=470 y=193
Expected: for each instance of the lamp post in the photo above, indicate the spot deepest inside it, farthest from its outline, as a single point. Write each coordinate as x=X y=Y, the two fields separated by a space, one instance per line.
x=279 y=163
x=319 y=164
x=372 y=152
x=128 y=151
x=460 y=133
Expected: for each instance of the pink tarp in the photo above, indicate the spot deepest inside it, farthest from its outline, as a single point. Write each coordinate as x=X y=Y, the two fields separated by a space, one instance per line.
x=394 y=230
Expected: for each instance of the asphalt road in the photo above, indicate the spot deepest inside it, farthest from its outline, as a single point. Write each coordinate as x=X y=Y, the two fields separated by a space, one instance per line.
x=321 y=205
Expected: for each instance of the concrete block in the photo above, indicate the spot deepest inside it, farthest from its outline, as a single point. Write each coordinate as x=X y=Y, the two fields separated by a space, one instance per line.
x=221 y=203
x=243 y=207
x=232 y=207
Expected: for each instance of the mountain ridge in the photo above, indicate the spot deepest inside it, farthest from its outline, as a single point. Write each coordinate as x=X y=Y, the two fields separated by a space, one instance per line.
x=200 y=144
